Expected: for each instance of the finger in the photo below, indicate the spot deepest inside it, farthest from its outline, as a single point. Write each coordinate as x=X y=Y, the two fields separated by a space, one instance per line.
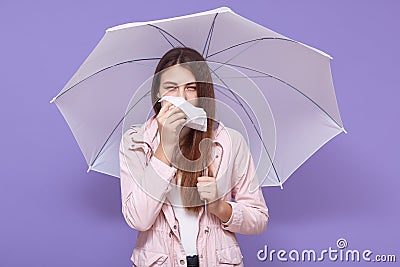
x=166 y=106
x=176 y=116
x=203 y=193
x=205 y=179
x=177 y=126
x=205 y=186
x=202 y=187
x=205 y=196
x=172 y=110
x=164 y=109
x=169 y=112
x=177 y=122
x=205 y=183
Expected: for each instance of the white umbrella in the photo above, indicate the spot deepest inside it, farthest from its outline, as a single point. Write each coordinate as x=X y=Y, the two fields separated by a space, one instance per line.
x=281 y=89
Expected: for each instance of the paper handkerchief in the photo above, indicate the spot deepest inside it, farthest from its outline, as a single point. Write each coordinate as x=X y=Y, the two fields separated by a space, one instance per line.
x=196 y=117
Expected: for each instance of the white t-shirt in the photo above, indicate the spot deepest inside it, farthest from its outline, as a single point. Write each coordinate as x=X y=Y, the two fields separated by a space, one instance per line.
x=188 y=221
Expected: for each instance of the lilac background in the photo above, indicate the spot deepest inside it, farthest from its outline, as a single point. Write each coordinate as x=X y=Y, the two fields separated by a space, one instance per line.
x=55 y=214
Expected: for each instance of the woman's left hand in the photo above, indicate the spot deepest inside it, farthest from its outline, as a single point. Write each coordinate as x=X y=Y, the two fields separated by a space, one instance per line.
x=207 y=188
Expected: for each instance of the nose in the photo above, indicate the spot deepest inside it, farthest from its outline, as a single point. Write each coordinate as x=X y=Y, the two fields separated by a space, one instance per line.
x=182 y=92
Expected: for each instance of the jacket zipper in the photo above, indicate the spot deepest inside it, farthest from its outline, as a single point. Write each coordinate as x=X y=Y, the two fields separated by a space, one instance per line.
x=207 y=229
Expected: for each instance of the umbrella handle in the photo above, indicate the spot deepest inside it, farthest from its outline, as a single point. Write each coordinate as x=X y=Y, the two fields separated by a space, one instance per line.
x=205 y=200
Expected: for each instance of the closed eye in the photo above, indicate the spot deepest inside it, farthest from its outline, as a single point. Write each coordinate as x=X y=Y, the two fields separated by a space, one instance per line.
x=170 y=87
x=191 y=88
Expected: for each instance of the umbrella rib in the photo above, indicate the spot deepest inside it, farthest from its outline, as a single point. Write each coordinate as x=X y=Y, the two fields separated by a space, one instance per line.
x=97 y=72
x=267 y=75
x=208 y=41
x=165 y=38
x=214 y=71
x=234 y=100
x=236 y=55
x=252 y=122
x=250 y=41
x=112 y=132
x=160 y=29
x=239 y=77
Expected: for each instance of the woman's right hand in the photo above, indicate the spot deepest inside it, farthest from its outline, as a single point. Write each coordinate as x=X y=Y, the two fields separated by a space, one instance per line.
x=170 y=122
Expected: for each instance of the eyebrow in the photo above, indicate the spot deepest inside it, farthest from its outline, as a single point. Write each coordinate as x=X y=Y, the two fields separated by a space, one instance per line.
x=174 y=83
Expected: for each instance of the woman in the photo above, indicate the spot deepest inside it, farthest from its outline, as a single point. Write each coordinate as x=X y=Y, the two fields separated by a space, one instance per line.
x=168 y=173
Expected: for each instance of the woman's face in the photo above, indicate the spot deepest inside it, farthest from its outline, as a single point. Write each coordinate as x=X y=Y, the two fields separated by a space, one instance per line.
x=178 y=81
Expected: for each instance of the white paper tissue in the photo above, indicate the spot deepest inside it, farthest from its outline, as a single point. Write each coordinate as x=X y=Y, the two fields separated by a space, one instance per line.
x=196 y=117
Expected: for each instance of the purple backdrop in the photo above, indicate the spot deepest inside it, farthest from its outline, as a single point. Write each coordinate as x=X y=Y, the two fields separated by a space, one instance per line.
x=55 y=214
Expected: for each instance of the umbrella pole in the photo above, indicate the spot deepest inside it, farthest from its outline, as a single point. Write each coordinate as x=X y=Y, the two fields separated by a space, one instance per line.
x=205 y=200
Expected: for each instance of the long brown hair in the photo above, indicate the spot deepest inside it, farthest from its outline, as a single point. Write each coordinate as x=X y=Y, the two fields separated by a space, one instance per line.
x=190 y=143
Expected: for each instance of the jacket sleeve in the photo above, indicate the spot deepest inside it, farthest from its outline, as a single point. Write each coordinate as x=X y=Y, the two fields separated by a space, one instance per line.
x=249 y=211
x=144 y=182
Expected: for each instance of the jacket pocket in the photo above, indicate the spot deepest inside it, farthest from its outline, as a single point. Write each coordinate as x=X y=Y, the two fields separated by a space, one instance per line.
x=230 y=256
x=145 y=258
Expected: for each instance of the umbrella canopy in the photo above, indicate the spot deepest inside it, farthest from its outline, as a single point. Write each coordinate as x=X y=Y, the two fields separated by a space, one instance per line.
x=281 y=89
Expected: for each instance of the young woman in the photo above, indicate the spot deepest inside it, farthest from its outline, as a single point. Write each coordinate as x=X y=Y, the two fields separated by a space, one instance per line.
x=188 y=197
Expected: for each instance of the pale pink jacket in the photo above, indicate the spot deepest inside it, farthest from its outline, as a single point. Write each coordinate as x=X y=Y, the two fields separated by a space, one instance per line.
x=158 y=242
